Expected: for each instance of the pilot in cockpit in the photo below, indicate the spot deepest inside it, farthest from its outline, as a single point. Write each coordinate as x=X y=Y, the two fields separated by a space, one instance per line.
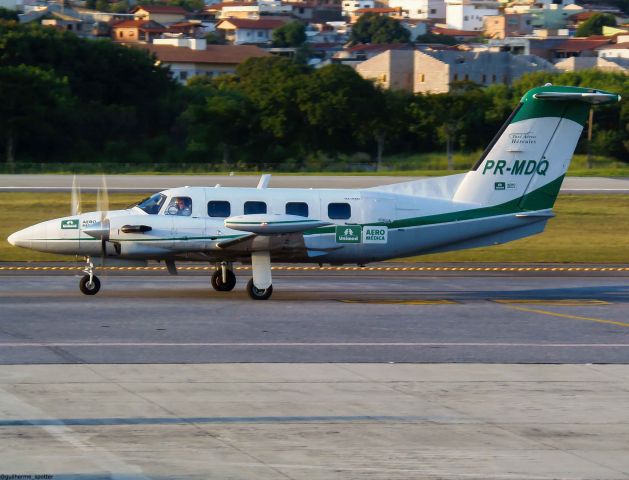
x=179 y=206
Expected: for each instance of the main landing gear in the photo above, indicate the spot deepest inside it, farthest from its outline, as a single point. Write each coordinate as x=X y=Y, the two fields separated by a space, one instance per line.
x=259 y=287
x=89 y=284
x=223 y=279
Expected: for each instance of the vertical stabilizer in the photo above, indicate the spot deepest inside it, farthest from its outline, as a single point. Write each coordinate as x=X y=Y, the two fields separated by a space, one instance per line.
x=525 y=163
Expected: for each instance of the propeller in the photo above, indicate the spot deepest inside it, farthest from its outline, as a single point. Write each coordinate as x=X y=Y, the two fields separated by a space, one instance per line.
x=76 y=197
x=102 y=205
x=100 y=229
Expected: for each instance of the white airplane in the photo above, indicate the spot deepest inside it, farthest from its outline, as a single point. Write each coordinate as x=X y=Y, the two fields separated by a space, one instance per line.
x=509 y=194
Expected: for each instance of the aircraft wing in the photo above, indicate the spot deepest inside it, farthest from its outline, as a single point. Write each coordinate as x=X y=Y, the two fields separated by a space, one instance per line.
x=272 y=233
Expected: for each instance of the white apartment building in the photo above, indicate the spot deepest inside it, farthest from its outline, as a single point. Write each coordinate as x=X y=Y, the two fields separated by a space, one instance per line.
x=469 y=15
x=421 y=9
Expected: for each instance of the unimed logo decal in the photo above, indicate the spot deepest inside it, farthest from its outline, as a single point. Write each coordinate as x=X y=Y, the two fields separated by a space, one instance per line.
x=70 y=224
x=348 y=234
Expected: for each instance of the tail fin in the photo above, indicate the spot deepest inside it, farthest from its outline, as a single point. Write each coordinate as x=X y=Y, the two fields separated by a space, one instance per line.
x=526 y=162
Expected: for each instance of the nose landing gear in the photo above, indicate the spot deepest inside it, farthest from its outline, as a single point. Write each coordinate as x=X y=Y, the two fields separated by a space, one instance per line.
x=89 y=284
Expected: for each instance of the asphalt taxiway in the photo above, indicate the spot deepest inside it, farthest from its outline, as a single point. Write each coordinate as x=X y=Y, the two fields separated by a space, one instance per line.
x=155 y=183
x=333 y=315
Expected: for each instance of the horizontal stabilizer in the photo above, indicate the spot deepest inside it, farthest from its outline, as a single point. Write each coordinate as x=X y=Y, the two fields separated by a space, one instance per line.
x=269 y=224
x=588 y=97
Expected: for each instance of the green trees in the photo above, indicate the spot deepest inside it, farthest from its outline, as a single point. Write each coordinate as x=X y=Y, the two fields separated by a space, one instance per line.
x=594 y=25
x=292 y=34
x=93 y=101
x=119 y=96
x=33 y=102
x=6 y=14
x=373 y=28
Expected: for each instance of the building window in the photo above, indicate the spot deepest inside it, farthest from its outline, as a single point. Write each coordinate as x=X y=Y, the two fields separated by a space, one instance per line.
x=493 y=79
x=467 y=77
x=121 y=34
x=433 y=11
x=219 y=208
x=422 y=78
x=339 y=211
x=484 y=78
x=254 y=207
x=297 y=208
x=456 y=77
x=466 y=18
x=183 y=75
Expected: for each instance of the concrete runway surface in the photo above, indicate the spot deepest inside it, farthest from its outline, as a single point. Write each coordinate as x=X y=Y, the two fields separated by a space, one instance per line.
x=319 y=316
x=154 y=183
x=315 y=422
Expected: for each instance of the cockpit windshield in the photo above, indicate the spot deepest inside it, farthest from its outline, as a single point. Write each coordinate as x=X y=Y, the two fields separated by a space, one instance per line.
x=152 y=204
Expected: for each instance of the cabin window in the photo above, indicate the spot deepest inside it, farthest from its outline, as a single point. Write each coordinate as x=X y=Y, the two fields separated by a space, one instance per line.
x=297 y=208
x=152 y=204
x=254 y=207
x=339 y=211
x=181 y=206
x=219 y=208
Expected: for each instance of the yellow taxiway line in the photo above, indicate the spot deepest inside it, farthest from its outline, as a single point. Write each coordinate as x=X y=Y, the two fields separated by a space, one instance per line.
x=571 y=317
x=188 y=268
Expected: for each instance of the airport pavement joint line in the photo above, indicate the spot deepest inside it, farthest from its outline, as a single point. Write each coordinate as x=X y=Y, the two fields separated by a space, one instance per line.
x=334 y=269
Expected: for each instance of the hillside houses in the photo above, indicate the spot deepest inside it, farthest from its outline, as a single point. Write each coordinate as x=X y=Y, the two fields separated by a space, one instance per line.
x=488 y=41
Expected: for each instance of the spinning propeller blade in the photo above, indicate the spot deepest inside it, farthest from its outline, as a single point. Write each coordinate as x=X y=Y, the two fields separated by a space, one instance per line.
x=102 y=205
x=76 y=197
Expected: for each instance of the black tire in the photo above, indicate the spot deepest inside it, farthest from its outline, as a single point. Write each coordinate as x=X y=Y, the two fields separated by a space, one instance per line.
x=89 y=288
x=217 y=281
x=258 y=293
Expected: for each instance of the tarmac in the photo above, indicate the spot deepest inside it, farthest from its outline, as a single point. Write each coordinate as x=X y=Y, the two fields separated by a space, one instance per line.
x=315 y=421
x=448 y=372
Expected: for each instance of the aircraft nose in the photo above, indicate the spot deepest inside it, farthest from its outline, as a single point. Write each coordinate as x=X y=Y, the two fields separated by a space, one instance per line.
x=16 y=238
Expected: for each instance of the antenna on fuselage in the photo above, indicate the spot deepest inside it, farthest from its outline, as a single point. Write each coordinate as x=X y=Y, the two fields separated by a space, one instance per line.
x=264 y=181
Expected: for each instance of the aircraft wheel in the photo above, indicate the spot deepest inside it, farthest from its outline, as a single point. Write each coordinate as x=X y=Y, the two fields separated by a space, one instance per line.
x=217 y=281
x=258 y=293
x=87 y=287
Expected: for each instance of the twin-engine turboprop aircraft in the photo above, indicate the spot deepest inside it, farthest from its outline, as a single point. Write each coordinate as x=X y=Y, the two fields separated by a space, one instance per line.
x=507 y=195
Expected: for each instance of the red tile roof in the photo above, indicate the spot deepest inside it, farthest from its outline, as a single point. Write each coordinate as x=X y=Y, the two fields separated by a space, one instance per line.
x=378 y=10
x=144 y=25
x=261 y=24
x=581 y=44
x=161 y=9
x=582 y=16
x=223 y=54
x=454 y=33
x=617 y=46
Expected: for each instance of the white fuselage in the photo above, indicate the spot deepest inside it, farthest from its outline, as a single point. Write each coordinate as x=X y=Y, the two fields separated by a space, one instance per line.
x=382 y=225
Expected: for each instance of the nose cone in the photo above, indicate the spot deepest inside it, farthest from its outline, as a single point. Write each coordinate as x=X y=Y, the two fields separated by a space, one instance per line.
x=31 y=237
x=19 y=239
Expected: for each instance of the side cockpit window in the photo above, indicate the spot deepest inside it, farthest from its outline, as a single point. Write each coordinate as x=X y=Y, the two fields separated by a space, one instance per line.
x=152 y=204
x=179 y=206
